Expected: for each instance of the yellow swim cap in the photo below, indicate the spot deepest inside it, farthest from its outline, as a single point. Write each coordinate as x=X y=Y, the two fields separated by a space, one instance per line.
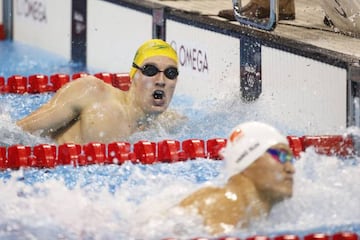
x=151 y=48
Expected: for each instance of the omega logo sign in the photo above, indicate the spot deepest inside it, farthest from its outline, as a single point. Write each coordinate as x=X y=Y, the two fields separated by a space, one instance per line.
x=32 y=9
x=192 y=57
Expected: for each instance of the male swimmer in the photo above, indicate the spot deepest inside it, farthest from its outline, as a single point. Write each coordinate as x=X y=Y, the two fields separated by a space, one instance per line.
x=88 y=109
x=259 y=167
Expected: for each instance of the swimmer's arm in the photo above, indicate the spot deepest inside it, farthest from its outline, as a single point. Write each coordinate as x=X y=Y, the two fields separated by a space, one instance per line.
x=63 y=107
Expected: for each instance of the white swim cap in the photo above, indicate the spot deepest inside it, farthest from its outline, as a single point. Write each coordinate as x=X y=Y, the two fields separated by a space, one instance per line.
x=246 y=143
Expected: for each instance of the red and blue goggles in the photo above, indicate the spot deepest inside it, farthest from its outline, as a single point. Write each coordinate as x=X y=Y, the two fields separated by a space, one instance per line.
x=281 y=156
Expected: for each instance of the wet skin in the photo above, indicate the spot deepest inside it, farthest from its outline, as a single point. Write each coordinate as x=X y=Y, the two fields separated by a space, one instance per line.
x=246 y=196
x=88 y=110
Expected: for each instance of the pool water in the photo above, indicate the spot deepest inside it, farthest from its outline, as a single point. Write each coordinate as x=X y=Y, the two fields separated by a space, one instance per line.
x=135 y=201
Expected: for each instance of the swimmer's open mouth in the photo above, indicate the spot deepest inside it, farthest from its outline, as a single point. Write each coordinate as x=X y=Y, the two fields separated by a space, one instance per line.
x=159 y=94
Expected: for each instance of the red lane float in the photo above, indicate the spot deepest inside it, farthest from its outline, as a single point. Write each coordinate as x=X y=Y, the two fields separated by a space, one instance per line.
x=296 y=145
x=70 y=154
x=3 y=159
x=18 y=156
x=39 y=83
x=317 y=236
x=146 y=152
x=168 y=151
x=345 y=236
x=106 y=77
x=329 y=145
x=3 y=87
x=213 y=147
x=44 y=156
x=119 y=152
x=95 y=153
x=121 y=81
x=229 y=238
x=17 y=84
x=287 y=237
x=194 y=148
x=79 y=75
x=2 y=32
x=58 y=80
x=258 y=237
x=313 y=236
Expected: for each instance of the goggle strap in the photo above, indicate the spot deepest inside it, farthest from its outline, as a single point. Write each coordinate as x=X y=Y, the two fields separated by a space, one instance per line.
x=151 y=70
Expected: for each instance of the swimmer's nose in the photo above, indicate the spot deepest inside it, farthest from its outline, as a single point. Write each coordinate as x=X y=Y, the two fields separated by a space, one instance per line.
x=289 y=168
x=160 y=80
x=160 y=84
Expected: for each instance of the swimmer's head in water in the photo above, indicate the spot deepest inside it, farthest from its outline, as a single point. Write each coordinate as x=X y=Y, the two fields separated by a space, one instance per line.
x=247 y=142
x=151 y=48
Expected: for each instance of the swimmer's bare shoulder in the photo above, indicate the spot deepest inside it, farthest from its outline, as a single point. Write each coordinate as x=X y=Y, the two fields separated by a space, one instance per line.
x=197 y=198
x=88 y=83
x=218 y=211
x=67 y=104
x=84 y=90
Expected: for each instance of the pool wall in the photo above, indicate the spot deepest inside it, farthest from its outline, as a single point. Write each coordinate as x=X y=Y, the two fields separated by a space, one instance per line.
x=44 y=24
x=308 y=88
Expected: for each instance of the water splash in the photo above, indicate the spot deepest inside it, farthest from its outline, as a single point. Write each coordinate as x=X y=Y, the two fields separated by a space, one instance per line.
x=138 y=201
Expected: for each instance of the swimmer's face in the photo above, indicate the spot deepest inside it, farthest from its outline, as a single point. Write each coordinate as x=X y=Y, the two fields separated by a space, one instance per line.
x=273 y=179
x=154 y=93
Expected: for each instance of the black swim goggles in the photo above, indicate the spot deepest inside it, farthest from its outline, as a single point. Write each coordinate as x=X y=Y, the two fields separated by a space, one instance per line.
x=151 y=70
